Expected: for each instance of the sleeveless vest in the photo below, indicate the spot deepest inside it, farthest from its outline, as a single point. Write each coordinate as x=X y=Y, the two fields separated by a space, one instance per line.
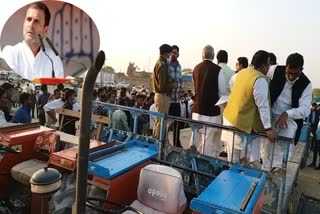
x=205 y=77
x=276 y=86
x=241 y=110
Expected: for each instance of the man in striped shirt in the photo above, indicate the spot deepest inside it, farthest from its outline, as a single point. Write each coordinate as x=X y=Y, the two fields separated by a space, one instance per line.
x=174 y=68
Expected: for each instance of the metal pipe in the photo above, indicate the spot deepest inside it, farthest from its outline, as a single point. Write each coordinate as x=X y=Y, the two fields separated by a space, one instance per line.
x=232 y=148
x=227 y=128
x=162 y=133
x=283 y=178
x=273 y=146
x=183 y=168
x=281 y=193
x=196 y=178
x=79 y=206
x=200 y=123
x=204 y=137
x=245 y=147
x=135 y=123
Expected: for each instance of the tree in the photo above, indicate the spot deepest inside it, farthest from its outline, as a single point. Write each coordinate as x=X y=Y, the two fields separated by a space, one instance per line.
x=132 y=68
x=316 y=93
x=108 y=69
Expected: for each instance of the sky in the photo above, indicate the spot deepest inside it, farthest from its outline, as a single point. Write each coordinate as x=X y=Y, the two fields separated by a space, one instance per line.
x=132 y=31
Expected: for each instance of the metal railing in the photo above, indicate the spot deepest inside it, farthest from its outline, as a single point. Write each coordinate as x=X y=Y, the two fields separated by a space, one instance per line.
x=196 y=126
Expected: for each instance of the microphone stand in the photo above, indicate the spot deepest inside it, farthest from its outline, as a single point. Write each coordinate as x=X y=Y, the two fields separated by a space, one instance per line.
x=44 y=50
x=52 y=72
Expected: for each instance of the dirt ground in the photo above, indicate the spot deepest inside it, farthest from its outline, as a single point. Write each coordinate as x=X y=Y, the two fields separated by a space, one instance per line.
x=308 y=182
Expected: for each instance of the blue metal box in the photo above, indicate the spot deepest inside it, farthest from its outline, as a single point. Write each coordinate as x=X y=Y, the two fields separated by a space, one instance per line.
x=233 y=191
x=111 y=162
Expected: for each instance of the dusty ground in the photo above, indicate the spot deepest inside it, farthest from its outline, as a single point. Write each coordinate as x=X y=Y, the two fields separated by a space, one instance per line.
x=308 y=182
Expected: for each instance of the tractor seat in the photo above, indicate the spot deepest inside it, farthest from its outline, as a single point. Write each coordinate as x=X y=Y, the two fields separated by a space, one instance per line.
x=23 y=171
x=160 y=191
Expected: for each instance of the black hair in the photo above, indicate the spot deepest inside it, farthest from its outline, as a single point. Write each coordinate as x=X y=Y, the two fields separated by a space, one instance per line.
x=44 y=87
x=222 y=56
x=6 y=86
x=243 y=61
x=23 y=97
x=259 y=58
x=65 y=90
x=165 y=48
x=56 y=90
x=140 y=96
x=109 y=95
x=2 y=92
x=60 y=86
x=175 y=47
x=273 y=59
x=295 y=60
x=68 y=94
x=41 y=6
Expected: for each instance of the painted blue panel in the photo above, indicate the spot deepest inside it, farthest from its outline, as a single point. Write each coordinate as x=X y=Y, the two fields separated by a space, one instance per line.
x=304 y=133
x=187 y=78
x=228 y=191
x=111 y=162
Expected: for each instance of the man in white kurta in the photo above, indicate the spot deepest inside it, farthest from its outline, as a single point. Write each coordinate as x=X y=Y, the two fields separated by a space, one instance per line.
x=23 y=62
x=27 y=57
x=55 y=104
x=248 y=109
x=207 y=140
x=260 y=93
x=283 y=114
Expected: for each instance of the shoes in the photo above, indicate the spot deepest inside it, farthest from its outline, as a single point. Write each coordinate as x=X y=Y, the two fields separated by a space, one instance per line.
x=223 y=154
x=255 y=164
x=312 y=165
x=275 y=169
x=317 y=168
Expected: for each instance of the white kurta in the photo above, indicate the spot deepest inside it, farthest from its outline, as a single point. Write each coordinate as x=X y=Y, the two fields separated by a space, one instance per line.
x=3 y=121
x=22 y=61
x=228 y=73
x=208 y=139
x=283 y=104
x=55 y=104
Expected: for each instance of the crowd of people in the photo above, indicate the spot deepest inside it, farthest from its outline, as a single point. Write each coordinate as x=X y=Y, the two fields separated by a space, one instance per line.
x=143 y=99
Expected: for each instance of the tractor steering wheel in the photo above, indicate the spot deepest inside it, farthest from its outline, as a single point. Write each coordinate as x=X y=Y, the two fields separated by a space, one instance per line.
x=123 y=207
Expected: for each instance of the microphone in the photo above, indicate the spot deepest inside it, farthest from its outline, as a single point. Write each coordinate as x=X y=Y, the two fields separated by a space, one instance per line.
x=57 y=54
x=44 y=50
x=41 y=43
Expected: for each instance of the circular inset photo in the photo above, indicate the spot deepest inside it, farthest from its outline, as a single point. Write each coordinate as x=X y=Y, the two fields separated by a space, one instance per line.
x=49 y=39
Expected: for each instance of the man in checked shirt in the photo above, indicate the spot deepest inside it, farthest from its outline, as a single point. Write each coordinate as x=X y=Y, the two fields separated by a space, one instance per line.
x=174 y=68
